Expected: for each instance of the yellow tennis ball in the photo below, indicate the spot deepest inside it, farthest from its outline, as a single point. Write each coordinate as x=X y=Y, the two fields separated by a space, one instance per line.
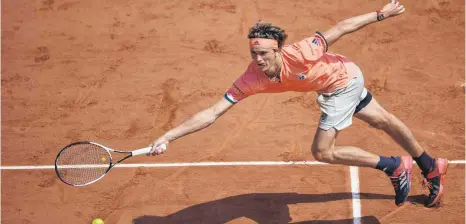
x=98 y=221
x=103 y=159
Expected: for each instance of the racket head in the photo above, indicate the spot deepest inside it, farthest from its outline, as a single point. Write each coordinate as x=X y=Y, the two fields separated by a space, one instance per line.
x=82 y=163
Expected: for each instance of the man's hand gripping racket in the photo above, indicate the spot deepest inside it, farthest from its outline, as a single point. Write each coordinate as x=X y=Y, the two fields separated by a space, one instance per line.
x=158 y=146
x=84 y=163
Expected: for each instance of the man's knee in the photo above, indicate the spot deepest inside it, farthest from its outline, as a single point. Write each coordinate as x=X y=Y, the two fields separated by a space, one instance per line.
x=323 y=145
x=322 y=154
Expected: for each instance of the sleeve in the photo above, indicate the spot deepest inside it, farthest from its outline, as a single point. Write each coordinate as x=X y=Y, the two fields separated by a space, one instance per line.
x=246 y=85
x=320 y=41
x=311 y=48
x=239 y=90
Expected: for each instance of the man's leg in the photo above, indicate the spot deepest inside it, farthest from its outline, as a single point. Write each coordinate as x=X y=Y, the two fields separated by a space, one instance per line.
x=324 y=149
x=399 y=169
x=338 y=109
x=433 y=169
x=377 y=117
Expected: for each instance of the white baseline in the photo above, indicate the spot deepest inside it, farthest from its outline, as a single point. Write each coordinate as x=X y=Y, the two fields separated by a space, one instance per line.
x=194 y=164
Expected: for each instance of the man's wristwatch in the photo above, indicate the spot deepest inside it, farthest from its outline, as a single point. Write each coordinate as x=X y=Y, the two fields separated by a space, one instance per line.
x=380 y=16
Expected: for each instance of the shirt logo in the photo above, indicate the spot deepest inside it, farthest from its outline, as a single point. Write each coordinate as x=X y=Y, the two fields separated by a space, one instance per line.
x=302 y=76
x=316 y=42
x=237 y=90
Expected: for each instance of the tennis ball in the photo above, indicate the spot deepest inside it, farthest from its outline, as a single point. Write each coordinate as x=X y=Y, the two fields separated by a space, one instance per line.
x=98 y=221
x=103 y=159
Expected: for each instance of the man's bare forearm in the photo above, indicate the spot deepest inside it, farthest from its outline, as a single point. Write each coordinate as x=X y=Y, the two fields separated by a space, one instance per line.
x=355 y=23
x=348 y=26
x=195 y=123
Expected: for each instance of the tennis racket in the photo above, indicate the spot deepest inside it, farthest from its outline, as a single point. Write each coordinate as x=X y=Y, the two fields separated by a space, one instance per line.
x=84 y=163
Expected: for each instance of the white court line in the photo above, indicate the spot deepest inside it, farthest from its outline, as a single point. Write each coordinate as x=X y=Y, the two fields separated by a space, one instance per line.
x=354 y=175
x=133 y=165
x=457 y=162
x=194 y=164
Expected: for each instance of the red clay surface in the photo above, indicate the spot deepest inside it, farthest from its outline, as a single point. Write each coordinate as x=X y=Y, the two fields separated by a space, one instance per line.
x=122 y=72
x=195 y=195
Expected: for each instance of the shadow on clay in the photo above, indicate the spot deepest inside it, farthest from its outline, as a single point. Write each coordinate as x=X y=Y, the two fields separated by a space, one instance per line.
x=262 y=208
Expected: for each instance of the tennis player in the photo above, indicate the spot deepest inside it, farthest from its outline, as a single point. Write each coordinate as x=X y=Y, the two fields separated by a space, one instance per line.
x=307 y=66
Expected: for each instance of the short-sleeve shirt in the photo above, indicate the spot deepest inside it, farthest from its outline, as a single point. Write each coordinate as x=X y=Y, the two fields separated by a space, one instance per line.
x=306 y=67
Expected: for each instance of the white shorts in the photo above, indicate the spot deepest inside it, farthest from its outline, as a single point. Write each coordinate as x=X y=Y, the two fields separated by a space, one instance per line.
x=339 y=106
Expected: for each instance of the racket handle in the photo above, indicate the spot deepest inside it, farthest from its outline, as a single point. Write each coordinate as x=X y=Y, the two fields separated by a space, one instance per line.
x=145 y=150
x=141 y=151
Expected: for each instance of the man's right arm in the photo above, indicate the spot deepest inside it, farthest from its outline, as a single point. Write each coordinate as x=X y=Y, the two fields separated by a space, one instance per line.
x=200 y=120
x=238 y=91
x=195 y=123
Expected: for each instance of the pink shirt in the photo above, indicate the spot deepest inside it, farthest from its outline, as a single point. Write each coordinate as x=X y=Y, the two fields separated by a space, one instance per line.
x=306 y=66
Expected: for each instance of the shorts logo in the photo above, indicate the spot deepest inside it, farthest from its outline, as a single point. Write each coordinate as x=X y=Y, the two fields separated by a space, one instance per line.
x=301 y=76
x=323 y=117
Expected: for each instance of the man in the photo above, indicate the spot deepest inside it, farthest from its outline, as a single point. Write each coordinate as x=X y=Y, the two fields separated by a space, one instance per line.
x=307 y=66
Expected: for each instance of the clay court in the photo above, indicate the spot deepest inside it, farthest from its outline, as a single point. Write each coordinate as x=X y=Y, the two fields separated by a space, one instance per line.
x=121 y=73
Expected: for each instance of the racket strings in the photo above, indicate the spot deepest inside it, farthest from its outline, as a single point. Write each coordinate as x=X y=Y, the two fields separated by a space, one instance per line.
x=82 y=163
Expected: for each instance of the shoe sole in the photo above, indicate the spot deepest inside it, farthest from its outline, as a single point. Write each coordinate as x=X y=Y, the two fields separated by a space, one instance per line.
x=443 y=172
x=408 y=164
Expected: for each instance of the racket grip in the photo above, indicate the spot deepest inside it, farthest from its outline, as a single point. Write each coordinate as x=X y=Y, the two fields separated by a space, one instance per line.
x=141 y=151
x=145 y=150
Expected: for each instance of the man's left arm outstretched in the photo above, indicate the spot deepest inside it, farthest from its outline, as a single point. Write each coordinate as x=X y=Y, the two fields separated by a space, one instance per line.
x=355 y=23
